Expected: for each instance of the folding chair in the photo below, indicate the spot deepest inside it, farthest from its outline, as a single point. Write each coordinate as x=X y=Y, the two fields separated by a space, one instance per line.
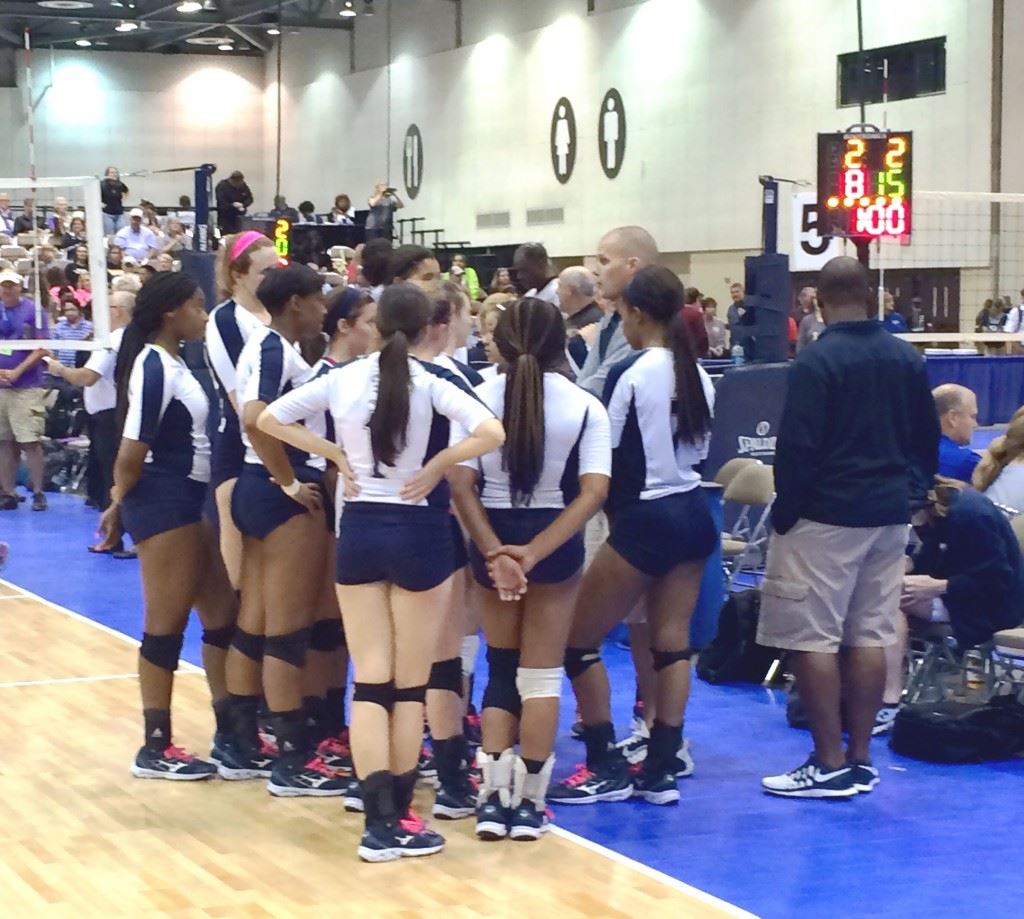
x=753 y=487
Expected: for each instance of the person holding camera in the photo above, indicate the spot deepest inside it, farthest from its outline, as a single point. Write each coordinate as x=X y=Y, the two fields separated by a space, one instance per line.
x=383 y=203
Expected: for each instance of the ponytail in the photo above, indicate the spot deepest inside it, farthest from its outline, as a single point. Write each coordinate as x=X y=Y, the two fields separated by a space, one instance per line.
x=530 y=336
x=1000 y=453
x=657 y=292
x=132 y=343
x=403 y=313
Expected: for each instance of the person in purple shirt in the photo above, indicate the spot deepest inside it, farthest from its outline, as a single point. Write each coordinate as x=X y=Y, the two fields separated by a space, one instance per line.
x=22 y=408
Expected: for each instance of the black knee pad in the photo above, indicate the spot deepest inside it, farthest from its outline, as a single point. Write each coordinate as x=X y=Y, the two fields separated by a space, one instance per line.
x=447 y=675
x=501 y=691
x=578 y=660
x=663 y=659
x=411 y=693
x=219 y=638
x=290 y=648
x=248 y=644
x=326 y=635
x=162 y=651
x=382 y=694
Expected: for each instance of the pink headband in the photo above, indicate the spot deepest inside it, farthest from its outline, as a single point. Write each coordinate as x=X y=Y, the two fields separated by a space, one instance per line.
x=243 y=242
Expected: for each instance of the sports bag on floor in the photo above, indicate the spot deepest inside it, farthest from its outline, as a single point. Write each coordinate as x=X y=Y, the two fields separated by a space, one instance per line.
x=735 y=656
x=960 y=732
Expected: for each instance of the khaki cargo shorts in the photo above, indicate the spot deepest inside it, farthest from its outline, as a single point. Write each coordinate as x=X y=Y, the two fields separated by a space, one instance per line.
x=22 y=414
x=827 y=586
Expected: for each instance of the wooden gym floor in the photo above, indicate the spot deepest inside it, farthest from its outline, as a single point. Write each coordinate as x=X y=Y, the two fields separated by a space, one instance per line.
x=80 y=837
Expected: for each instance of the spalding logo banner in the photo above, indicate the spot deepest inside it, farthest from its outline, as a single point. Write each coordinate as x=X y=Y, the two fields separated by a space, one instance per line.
x=748 y=407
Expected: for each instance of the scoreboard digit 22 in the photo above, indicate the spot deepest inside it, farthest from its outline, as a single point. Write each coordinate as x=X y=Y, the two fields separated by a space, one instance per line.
x=864 y=184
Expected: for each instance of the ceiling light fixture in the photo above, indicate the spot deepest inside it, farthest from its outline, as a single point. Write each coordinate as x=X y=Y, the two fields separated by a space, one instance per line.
x=225 y=47
x=189 y=6
x=126 y=26
x=210 y=6
x=273 y=30
x=348 y=12
x=367 y=7
x=84 y=43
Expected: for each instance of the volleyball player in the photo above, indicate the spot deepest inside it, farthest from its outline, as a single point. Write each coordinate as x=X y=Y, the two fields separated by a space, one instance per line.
x=242 y=260
x=277 y=505
x=534 y=498
x=659 y=402
x=161 y=476
x=395 y=548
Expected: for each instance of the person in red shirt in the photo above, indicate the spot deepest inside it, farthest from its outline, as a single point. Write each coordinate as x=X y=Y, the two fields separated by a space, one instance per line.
x=693 y=316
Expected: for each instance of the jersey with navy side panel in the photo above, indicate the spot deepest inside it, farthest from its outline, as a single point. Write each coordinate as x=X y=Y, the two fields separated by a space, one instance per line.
x=230 y=326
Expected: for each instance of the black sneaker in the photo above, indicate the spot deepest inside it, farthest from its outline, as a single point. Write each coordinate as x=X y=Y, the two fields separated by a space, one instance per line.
x=576 y=731
x=220 y=741
x=311 y=780
x=656 y=788
x=336 y=753
x=354 y=796
x=236 y=765
x=492 y=819
x=425 y=766
x=455 y=803
x=610 y=782
x=884 y=720
x=527 y=822
x=39 y=502
x=9 y=503
x=171 y=763
x=865 y=776
x=409 y=838
x=812 y=780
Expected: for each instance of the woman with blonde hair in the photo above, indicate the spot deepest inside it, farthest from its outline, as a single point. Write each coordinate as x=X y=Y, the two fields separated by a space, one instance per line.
x=1000 y=474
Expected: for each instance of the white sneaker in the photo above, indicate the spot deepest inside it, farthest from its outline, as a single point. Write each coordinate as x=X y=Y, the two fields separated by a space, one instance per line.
x=684 y=758
x=884 y=719
x=811 y=780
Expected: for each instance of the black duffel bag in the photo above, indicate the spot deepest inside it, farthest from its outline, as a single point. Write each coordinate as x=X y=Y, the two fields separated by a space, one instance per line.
x=735 y=656
x=960 y=732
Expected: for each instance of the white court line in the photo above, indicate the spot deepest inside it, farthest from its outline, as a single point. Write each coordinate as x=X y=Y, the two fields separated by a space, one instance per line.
x=55 y=681
x=184 y=666
x=667 y=880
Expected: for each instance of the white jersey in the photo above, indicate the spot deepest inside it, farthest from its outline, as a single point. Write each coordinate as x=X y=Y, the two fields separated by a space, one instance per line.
x=167 y=410
x=650 y=461
x=460 y=368
x=349 y=393
x=102 y=395
x=577 y=442
x=230 y=326
x=269 y=367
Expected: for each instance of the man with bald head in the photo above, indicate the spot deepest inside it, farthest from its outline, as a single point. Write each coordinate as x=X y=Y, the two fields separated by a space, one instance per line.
x=857 y=449
x=957 y=408
x=621 y=253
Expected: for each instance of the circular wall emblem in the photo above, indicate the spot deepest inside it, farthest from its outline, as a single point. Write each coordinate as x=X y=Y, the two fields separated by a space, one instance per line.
x=763 y=428
x=412 y=161
x=611 y=133
x=563 y=140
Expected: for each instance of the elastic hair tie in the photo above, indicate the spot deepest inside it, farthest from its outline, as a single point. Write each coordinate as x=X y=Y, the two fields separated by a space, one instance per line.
x=243 y=242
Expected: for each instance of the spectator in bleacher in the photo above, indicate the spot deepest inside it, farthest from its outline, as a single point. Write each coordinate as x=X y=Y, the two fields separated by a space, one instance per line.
x=22 y=397
x=115 y=258
x=893 y=320
x=693 y=317
x=79 y=263
x=74 y=236
x=27 y=221
x=71 y=327
x=380 y=222
x=163 y=262
x=234 y=198
x=308 y=214
x=958 y=414
x=126 y=283
x=856 y=449
x=465 y=275
x=57 y=220
x=185 y=213
x=7 y=217
x=577 y=288
x=175 y=238
x=501 y=282
x=150 y=218
x=137 y=240
x=112 y=192
x=718 y=335
x=283 y=209
x=341 y=213
x=991 y=318
x=735 y=311
x=534 y=274
x=813 y=323
x=1000 y=474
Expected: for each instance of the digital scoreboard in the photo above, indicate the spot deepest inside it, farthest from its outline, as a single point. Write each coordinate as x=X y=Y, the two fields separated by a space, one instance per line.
x=282 y=242
x=864 y=184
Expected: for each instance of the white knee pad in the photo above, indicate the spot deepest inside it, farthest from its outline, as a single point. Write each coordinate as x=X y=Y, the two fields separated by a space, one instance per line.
x=468 y=652
x=539 y=682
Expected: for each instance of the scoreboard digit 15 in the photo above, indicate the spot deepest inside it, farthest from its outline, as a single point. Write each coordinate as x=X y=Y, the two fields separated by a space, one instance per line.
x=864 y=184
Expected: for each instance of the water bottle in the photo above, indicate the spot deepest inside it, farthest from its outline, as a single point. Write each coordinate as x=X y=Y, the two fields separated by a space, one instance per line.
x=737 y=354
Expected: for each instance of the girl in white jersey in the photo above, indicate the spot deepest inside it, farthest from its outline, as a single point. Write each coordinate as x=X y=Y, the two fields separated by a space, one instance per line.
x=161 y=476
x=525 y=507
x=242 y=261
x=659 y=402
x=395 y=548
x=277 y=505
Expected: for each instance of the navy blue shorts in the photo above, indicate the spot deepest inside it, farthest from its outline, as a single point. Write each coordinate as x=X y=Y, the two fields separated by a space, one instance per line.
x=259 y=507
x=461 y=554
x=160 y=502
x=228 y=451
x=516 y=527
x=410 y=547
x=655 y=536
